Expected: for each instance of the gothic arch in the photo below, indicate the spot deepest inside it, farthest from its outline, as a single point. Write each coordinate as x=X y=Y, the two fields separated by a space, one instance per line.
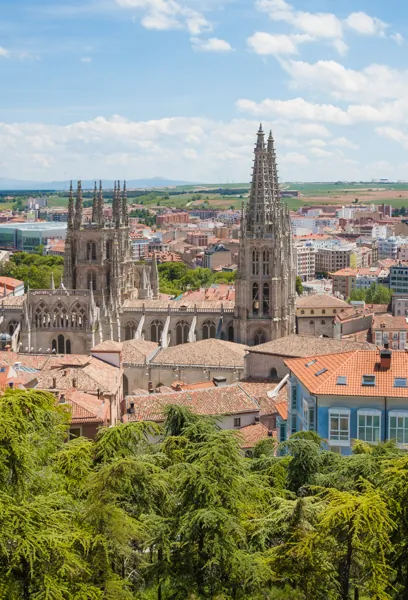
x=265 y=299
x=156 y=330
x=61 y=345
x=259 y=337
x=125 y=386
x=209 y=330
x=230 y=332
x=12 y=326
x=265 y=262
x=91 y=251
x=255 y=262
x=130 y=330
x=182 y=329
x=255 y=298
x=109 y=249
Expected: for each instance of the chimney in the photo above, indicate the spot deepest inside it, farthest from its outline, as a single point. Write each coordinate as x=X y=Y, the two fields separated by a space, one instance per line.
x=150 y=387
x=54 y=382
x=385 y=359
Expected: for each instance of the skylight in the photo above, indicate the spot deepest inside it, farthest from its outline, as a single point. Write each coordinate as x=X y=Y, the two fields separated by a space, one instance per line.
x=321 y=372
x=400 y=382
x=341 y=380
x=312 y=362
x=368 y=380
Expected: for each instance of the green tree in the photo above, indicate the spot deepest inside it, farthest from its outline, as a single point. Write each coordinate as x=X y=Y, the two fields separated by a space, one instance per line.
x=299 y=285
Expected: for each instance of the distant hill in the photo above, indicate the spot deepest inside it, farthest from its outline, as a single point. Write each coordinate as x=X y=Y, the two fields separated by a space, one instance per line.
x=17 y=184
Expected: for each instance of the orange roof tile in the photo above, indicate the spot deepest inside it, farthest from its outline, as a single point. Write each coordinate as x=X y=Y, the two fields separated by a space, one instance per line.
x=252 y=434
x=352 y=365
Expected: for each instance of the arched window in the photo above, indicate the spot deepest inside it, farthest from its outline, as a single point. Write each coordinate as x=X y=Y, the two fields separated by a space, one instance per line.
x=255 y=299
x=265 y=262
x=274 y=373
x=323 y=312
x=259 y=338
x=323 y=322
x=91 y=283
x=255 y=262
x=91 y=251
x=156 y=329
x=109 y=249
x=209 y=330
x=311 y=322
x=130 y=330
x=302 y=312
x=12 y=327
x=125 y=386
x=334 y=311
x=182 y=329
x=265 y=299
x=231 y=333
x=68 y=347
x=312 y=312
x=54 y=345
x=61 y=344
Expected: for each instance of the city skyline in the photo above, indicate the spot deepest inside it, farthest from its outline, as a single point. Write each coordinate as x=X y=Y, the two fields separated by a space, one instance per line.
x=139 y=89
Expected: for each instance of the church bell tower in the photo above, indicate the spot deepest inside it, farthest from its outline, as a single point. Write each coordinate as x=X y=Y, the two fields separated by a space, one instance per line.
x=266 y=277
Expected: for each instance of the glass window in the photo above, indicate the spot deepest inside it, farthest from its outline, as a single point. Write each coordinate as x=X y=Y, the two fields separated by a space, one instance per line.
x=339 y=426
x=398 y=427
x=369 y=423
x=237 y=422
x=294 y=398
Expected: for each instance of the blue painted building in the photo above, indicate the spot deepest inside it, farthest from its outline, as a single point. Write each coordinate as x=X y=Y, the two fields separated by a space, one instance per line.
x=360 y=395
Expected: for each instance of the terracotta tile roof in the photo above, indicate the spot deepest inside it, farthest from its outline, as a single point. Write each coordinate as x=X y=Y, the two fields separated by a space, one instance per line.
x=320 y=301
x=348 y=272
x=136 y=351
x=10 y=282
x=252 y=434
x=226 y=400
x=298 y=345
x=12 y=301
x=93 y=376
x=352 y=365
x=259 y=390
x=87 y=408
x=210 y=352
x=155 y=304
x=388 y=322
x=107 y=346
x=282 y=408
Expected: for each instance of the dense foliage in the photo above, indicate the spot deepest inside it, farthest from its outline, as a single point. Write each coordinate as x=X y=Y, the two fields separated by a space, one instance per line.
x=299 y=285
x=175 y=278
x=188 y=517
x=144 y=216
x=35 y=270
x=375 y=294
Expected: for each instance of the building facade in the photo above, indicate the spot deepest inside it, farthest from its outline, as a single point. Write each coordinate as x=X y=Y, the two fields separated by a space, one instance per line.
x=105 y=295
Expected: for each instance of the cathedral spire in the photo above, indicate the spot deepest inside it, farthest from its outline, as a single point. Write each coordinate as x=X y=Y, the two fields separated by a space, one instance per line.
x=95 y=205
x=273 y=170
x=71 y=208
x=118 y=208
x=79 y=205
x=259 y=207
x=100 y=218
x=125 y=214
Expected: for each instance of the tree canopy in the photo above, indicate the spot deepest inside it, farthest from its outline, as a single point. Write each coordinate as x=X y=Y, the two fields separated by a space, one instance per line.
x=34 y=269
x=375 y=294
x=175 y=277
x=179 y=513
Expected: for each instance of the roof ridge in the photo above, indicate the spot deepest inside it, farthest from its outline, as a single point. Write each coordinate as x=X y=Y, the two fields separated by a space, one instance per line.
x=252 y=398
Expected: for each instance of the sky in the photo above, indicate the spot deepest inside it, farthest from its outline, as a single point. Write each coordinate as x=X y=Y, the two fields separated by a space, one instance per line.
x=177 y=88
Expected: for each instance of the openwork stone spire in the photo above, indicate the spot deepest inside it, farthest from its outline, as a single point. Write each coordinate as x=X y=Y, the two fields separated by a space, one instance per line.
x=79 y=206
x=125 y=214
x=71 y=208
x=100 y=218
x=95 y=205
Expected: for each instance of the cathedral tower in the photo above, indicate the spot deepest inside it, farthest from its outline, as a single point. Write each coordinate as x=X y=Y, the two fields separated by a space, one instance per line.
x=266 y=277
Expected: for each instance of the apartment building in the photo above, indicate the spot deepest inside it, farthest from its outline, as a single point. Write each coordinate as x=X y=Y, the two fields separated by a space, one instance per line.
x=305 y=255
x=390 y=332
x=399 y=278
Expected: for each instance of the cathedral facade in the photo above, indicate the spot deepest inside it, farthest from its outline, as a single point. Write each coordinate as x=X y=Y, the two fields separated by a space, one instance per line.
x=105 y=295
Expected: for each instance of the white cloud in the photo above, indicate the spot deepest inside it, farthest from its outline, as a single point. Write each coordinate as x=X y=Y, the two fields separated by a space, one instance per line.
x=320 y=153
x=167 y=14
x=372 y=84
x=4 y=53
x=116 y=147
x=342 y=142
x=319 y=26
x=396 y=135
x=266 y=43
x=300 y=110
x=211 y=45
x=85 y=59
x=398 y=38
x=366 y=25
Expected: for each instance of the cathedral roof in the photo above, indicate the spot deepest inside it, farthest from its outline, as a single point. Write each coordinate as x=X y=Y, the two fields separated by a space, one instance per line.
x=136 y=351
x=298 y=345
x=206 y=352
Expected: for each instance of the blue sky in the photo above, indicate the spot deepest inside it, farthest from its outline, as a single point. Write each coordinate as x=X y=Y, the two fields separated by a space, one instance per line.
x=176 y=88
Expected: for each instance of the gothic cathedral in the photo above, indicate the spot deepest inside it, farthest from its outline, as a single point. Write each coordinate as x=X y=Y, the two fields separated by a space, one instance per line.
x=105 y=295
